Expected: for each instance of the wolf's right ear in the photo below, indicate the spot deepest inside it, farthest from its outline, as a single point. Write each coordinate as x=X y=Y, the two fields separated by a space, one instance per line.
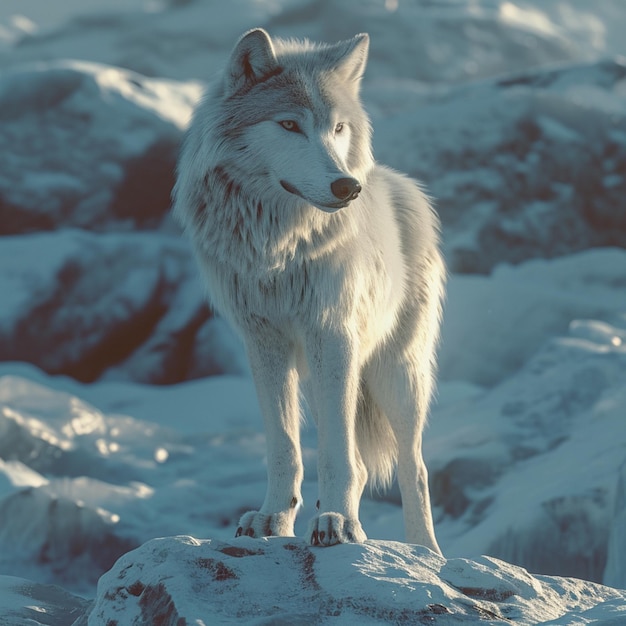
x=251 y=60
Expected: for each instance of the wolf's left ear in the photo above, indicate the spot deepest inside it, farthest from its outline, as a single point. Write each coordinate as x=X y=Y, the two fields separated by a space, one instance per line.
x=251 y=60
x=353 y=58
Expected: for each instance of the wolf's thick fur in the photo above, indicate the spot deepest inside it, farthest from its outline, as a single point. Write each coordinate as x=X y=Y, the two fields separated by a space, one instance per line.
x=328 y=265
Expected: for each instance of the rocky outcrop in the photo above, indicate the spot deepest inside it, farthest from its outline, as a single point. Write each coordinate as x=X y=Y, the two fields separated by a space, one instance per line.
x=182 y=580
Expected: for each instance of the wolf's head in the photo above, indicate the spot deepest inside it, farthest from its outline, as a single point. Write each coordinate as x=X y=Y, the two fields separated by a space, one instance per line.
x=290 y=119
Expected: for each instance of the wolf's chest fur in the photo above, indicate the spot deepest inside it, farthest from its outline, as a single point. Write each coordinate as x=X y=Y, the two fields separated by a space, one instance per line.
x=271 y=261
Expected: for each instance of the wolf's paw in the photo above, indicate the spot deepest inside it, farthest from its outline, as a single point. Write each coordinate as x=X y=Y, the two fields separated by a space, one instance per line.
x=256 y=524
x=329 y=529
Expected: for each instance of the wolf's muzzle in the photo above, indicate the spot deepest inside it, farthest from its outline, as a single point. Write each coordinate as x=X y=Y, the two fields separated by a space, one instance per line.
x=345 y=189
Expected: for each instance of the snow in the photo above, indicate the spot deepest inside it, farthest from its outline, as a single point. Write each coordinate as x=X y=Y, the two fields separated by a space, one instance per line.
x=615 y=572
x=76 y=136
x=26 y=602
x=120 y=305
x=567 y=403
x=127 y=412
x=518 y=165
x=494 y=324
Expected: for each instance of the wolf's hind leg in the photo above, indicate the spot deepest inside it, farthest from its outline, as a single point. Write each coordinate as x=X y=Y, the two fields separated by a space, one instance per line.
x=276 y=380
x=403 y=394
x=413 y=481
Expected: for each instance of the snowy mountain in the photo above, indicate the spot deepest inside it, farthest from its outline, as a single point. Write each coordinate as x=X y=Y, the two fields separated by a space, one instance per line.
x=126 y=409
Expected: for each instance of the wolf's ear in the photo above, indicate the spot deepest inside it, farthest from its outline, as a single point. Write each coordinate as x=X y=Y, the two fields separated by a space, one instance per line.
x=252 y=58
x=352 y=58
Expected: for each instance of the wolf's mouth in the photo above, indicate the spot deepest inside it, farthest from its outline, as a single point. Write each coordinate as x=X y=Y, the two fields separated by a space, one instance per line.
x=291 y=189
x=340 y=204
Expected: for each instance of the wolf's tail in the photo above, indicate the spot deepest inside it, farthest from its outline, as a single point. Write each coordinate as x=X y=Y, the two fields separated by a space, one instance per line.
x=376 y=441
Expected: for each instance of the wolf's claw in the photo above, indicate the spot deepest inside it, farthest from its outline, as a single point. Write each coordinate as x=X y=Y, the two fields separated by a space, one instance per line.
x=337 y=529
x=257 y=524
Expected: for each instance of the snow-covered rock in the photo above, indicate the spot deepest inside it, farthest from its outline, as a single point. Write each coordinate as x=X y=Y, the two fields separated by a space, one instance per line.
x=531 y=165
x=52 y=514
x=494 y=324
x=527 y=471
x=126 y=304
x=284 y=581
x=87 y=145
x=79 y=487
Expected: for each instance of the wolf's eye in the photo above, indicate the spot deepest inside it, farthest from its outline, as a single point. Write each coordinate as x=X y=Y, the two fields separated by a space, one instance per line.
x=291 y=126
x=338 y=128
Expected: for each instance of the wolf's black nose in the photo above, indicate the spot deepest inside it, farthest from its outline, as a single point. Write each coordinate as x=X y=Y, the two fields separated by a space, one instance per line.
x=345 y=188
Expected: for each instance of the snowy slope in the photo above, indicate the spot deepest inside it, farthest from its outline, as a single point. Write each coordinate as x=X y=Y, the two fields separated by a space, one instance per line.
x=507 y=468
x=513 y=115
x=494 y=324
x=23 y=602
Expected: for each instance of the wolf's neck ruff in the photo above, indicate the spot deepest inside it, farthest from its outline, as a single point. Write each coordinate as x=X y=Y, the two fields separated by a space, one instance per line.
x=267 y=234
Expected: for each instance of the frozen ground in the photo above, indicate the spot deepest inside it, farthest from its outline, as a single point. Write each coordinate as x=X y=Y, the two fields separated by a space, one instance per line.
x=126 y=409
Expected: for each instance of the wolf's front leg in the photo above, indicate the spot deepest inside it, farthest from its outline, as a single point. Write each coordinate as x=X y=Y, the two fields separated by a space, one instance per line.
x=341 y=473
x=276 y=380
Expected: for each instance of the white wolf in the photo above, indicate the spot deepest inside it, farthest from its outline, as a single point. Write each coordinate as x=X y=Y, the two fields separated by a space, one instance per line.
x=328 y=266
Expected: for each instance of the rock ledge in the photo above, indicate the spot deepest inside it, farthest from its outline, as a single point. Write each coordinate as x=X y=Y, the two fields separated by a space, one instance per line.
x=182 y=580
